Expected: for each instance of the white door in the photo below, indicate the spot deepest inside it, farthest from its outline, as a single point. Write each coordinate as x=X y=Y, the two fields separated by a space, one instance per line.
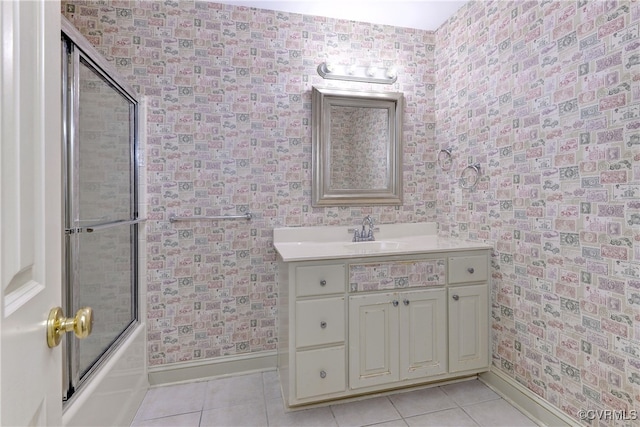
x=423 y=340
x=30 y=212
x=373 y=339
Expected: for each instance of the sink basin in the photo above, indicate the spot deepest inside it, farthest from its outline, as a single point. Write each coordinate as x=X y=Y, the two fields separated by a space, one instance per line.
x=375 y=246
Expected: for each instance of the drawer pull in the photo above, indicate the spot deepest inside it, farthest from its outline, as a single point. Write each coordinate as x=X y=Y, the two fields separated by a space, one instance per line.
x=323 y=282
x=406 y=302
x=323 y=324
x=455 y=297
x=323 y=374
x=470 y=270
x=395 y=303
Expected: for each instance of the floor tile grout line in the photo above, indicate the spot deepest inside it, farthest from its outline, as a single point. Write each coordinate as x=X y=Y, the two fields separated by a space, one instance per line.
x=333 y=414
x=469 y=415
x=451 y=399
x=164 y=416
x=397 y=410
x=479 y=401
x=335 y=418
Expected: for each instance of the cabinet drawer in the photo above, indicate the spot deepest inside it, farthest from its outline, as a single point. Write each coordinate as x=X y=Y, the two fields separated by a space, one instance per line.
x=468 y=269
x=320 y=372
x=320 y=280
x=320 y=321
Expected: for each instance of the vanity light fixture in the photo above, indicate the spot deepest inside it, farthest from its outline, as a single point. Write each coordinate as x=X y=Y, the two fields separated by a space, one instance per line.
x=370 y=74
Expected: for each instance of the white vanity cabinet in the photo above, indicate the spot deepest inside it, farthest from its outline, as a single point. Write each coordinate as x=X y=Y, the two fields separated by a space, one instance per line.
x=396 y=336
x=468 y=305
x=468 y=328
x=311 y=351
x=352 y=322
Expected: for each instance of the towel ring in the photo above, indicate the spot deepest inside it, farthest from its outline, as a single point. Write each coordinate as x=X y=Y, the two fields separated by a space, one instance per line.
x=445 y=160
x=469 y=176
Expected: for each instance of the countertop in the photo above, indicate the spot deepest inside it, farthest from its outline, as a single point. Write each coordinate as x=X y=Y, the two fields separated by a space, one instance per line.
x=321 y=243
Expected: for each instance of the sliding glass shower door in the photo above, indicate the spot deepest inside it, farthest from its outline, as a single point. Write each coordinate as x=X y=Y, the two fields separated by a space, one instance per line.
x=100 y=209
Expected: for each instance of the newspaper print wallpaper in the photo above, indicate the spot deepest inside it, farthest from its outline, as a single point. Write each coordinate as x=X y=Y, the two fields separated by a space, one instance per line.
x=229 y=130
x=546 y=97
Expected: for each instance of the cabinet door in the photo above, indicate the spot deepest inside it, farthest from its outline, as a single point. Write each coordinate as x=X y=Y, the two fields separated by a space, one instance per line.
x=423 y=329
x=373 y=339
x=468 y=328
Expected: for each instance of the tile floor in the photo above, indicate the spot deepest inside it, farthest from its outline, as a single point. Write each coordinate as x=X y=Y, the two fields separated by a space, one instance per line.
x=255 y=400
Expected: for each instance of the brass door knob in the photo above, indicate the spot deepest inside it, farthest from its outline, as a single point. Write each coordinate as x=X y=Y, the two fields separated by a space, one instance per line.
x=58 y=325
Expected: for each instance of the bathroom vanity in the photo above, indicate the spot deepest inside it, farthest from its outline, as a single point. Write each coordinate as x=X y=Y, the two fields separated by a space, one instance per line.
x=405 y=309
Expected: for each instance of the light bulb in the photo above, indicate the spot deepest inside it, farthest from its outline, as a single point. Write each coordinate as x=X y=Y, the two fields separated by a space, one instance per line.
x=391 y=72
x=329 y=67
x=371 y=71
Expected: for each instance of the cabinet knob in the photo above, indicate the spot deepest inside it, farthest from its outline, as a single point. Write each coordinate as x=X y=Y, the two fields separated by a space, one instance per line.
x=406 y=302
x=323 y=374
x=470 y=270
x=395 y=303
x=323 y=324
x=455 y=297
x=323 y=282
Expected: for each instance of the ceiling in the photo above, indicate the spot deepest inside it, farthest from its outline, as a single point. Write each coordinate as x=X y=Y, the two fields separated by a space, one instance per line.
x=420 y=14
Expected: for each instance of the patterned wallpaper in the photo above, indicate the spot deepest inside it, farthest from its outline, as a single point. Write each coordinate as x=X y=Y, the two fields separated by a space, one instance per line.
x=359 y=147
x=546 y=97
x=377 y=276
x=229 y=96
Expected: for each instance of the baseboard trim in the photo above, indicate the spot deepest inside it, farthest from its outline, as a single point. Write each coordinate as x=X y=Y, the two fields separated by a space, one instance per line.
x=183 y=372
x=525 y=400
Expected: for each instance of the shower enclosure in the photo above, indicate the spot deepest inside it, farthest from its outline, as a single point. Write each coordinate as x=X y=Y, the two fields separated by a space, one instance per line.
x=101 y=215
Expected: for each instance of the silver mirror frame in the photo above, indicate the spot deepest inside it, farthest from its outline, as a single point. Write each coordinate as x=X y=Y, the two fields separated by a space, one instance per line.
x=322 y=194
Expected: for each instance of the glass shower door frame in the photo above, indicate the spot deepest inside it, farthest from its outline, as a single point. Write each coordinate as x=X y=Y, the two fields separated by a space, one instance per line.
x=73 y=56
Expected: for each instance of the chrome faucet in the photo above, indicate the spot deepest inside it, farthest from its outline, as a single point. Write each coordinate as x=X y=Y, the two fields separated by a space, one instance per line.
x=364 y=235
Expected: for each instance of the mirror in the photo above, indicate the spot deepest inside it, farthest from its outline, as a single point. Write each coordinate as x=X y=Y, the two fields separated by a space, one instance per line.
x=357 y=147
